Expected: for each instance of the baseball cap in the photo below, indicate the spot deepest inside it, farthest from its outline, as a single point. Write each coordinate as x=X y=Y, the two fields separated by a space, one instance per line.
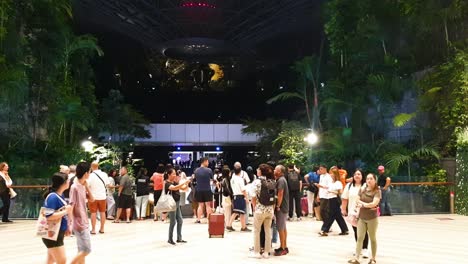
x=381 y=167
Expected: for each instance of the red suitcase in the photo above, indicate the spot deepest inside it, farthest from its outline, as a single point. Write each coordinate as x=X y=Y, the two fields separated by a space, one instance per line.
x=216 y=225
x=304 y=206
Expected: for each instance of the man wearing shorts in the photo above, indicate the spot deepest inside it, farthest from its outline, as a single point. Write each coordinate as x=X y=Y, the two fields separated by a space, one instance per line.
x=282 y=208
x=203 y=194
x=240 y=201
x=78 y=193
x=98 y=182
x=125 y=196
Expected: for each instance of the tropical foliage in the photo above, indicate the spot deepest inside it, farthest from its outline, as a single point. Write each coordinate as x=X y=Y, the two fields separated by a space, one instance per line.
x=47 y=102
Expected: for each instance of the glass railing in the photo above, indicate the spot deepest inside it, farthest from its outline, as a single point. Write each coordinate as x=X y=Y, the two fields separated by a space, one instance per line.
x=29 y=199
x=419 y=198
x=404 y=197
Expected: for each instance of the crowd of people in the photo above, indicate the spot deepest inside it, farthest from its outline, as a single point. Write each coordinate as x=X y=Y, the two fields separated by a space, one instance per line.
x=272 y=195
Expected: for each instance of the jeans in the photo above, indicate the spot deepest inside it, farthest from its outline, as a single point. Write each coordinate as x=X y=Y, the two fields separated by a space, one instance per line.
x=367 y=226
x=334 y=214
x=262 y=221
x=5 y=210
x=385 y=204
x=175 y=216
x=110 y=206
x=295 y=197
x=141 y=203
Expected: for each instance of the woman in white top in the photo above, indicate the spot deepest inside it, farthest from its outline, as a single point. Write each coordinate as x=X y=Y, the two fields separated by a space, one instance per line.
x=348 y=205
x=5 y=185
x=334 y=189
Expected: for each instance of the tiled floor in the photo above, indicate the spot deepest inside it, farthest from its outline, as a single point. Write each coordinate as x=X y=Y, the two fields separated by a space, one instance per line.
x=401 y=239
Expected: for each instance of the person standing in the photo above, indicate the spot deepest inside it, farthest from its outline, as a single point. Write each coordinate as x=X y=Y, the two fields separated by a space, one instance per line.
x=125 y=196
x=348 y=205
x=158 y=181
x=5 y=192
x=142 y=194
x=110 y=200
x=264 y=203
x=295 y=193
x=281 y=209
x=175 y=216
x=367 y=202
x=240 y=201
x=203 y=194
x=54 y=200
x=384 y=184
x=78 y=193
x=98 y=182
x=311 y=178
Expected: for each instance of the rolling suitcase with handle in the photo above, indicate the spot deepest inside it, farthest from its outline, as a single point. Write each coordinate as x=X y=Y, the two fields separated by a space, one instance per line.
x=216 y=225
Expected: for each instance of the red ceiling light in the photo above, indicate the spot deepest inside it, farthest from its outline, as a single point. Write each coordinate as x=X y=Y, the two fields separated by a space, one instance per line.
x=197 y=4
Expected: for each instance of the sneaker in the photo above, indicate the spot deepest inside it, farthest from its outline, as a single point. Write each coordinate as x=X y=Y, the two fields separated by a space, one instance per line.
x=290 y=219
x=245 y=230
x=365 y=253
x=230 y=229
x=344 y=233
x=197 y=222
x=279 y=249
x=266 y=255
x=281 y=252
x=299 y=219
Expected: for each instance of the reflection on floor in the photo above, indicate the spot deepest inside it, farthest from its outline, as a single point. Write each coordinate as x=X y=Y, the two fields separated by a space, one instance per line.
x=401 y=239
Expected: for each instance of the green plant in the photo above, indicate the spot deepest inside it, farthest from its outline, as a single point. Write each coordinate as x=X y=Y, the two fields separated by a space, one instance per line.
x=461 y=188
x=439 y=194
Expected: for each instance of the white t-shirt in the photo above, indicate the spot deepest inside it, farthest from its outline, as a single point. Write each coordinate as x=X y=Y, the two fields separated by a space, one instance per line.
x=351 y=194
x=325 y=180
x=98 y=189
x=237 y=185
x=334 y=188
x=110 y=191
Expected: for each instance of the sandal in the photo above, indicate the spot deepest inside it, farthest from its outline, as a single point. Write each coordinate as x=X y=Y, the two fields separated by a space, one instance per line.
x=353 y=261
x=101 y=232
x=92 y=232
x=116 y=221
x=372 y=261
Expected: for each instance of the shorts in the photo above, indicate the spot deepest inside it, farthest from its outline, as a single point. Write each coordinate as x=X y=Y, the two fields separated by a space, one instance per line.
x=239 y=204
x=281 y=220
x=97 y=206
x=83 y=240
x=203 y=196
x=125 y=201
x=52 y=244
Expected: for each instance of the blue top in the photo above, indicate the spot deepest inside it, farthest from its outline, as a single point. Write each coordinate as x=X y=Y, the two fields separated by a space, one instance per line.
x=52 y=204
x=313 y=177
x=203 y=177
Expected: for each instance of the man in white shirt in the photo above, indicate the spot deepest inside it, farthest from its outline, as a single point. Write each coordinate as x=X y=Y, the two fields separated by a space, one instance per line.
x=323 y=194
x=98 y=182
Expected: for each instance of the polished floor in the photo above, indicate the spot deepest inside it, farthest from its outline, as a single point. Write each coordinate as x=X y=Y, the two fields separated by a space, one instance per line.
x=401 y=239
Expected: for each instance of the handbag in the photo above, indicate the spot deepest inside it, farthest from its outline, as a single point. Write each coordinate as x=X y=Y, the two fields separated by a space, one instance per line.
x=45 y=228
x=12 y=193
x=352 y=219
x=151 y=198
x=166 y=202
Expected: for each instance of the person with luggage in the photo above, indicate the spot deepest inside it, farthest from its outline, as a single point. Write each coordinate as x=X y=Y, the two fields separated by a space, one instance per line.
x=203 y=194
x=264 y=203
x=175 y=216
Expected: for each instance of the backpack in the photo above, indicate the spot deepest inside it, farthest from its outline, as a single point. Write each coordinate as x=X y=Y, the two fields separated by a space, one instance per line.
x=267 y=192
x=227 y=192
x=293 y=181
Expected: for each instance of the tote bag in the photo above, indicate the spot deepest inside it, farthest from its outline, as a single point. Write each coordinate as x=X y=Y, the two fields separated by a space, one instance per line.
x=45 y=228
x=165 y=203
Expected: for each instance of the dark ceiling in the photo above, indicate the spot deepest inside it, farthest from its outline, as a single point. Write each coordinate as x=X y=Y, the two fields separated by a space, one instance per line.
x=163 y=48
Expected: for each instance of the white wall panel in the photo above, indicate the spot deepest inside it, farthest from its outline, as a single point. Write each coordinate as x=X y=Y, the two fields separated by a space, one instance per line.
x=206 y=133
x=178 y=133
x=192 y=133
